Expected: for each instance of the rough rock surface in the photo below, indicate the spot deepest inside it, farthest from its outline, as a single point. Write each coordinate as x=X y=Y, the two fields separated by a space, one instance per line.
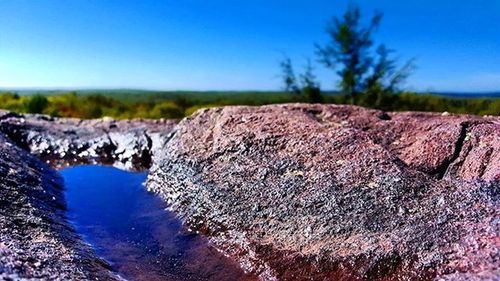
x=324 y=192
x=294 y=192
x=127 y=144
x=35 y=240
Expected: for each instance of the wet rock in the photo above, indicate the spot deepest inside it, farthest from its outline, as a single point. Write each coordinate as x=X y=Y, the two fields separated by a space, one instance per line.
x=60 y=142
x=36 y=242
x=324 y=192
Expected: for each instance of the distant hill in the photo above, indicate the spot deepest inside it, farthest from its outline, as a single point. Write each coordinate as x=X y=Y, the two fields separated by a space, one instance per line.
x=468 y=95
x=131 y=103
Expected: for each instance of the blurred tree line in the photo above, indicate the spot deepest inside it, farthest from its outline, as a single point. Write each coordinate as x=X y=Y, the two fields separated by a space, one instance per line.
x=71 y=104
x=178 y=105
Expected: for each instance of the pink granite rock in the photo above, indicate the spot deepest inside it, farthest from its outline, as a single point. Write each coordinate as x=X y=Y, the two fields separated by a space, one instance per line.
x=325 y=192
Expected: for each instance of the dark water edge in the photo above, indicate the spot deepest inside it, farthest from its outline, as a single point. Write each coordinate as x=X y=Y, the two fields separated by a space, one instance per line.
x=133 y=231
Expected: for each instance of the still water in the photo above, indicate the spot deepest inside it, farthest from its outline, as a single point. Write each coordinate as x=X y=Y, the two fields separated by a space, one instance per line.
x=130 y=228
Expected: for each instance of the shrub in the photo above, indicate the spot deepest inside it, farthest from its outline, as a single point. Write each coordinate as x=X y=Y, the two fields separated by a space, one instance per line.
x=313 y=94
x=37 y=104
x=167 y=109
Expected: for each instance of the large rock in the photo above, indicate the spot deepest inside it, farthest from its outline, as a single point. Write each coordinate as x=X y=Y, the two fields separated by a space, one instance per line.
x=294 y=192
x=323 y=192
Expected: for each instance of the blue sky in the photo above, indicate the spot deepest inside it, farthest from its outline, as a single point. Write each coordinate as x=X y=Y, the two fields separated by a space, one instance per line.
x=230 y=44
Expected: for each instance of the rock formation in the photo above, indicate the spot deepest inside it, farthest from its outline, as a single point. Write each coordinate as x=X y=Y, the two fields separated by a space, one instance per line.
x=293 y=192
x=323 y=192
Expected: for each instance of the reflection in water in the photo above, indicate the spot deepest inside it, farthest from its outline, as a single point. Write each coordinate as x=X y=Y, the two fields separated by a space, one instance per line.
x=131 y=229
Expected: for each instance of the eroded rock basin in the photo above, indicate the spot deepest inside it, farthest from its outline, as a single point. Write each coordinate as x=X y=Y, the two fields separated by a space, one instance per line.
x=132 y=229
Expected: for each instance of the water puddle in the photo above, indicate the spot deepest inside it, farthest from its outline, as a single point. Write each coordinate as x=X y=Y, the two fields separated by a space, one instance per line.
x=131 y=229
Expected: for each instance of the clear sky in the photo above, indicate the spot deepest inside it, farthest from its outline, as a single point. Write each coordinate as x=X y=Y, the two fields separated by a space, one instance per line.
x=233 y=44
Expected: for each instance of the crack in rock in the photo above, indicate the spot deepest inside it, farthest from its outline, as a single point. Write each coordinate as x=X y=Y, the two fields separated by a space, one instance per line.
x=441 y=171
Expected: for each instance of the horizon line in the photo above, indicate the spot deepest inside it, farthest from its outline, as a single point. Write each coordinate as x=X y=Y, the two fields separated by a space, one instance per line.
x=58 y=89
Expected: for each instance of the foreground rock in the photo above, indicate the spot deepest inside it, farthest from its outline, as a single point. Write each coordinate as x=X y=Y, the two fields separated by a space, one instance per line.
x=294 y=192
x=298 y=192
x=35 y=239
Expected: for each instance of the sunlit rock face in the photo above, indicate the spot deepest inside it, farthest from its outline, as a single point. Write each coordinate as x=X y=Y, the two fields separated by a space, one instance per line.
x=324 y=192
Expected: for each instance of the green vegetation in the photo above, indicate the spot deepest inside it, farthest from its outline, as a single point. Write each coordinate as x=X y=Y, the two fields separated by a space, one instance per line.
x=144 y=104
x=132 y=104
x=37 y=104
x=309 y=88
x=362 y=70
x=370 y=77
x=366 y=76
